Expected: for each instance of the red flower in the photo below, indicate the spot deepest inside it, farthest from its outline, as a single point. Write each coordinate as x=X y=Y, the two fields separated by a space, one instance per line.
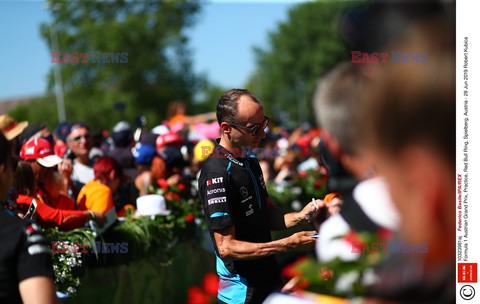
x=197 y=296
x=317 y=184
x=325 y=273
x=353 y=238
x=162 y=183
x=189 y=217
x=291 y=271
x=181 y=187
x=303 y=283
x=210 y=284
x=385 y=234
x=324 y=178
x=172 y=196
x=302 y=174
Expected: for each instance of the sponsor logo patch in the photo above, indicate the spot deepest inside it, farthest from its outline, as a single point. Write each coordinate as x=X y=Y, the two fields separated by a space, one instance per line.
x=250 y=211
x=217 y=200
x=247 y=199
x=214 y=181
x=213 y=191
x=244 y=192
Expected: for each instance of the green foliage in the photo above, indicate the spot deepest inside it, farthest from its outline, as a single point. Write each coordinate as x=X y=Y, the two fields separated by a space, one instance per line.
x=67 y=256
x=40 y=110
x=144 y=236
x=158 y=69
x=300 y=50
x=302 y=188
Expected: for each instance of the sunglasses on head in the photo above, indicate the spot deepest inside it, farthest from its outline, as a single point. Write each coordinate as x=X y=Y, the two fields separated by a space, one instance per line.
x=253 y=130
x=79 y=138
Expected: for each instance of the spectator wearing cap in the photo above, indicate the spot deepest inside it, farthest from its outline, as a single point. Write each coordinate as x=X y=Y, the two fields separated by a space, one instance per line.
x=79 y=143
x=39 y=153
x=122 y=137
x=97 y=195
x=11 y=129
x=48 y=188
x=170 y=139
x=60 y=138
x=143 y=154
x=45 y=215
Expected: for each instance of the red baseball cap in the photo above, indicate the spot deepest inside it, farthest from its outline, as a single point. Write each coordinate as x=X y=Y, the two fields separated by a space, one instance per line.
x=170 y=138
x=41 y=150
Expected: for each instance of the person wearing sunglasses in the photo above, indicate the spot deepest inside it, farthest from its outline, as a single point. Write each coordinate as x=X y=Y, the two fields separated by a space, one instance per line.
x=77 y=168
x=239 y=212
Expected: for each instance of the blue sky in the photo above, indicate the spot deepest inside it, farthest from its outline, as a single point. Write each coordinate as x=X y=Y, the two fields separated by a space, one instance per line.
x=227 y=61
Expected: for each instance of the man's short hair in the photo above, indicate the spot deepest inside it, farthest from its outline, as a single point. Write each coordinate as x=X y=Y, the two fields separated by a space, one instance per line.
x=336 y=101
x=227 y=105
x=414 y=103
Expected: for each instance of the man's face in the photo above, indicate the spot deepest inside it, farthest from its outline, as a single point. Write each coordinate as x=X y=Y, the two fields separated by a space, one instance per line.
x=79 y=141
x=407 y=194
x=250 y=113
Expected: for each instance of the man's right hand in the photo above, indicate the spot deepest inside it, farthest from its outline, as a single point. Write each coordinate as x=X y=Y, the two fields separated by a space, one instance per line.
x=302 y=240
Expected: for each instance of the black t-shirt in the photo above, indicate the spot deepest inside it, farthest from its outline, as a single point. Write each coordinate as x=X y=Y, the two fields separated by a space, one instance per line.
x=233 y=193
x=24 y=253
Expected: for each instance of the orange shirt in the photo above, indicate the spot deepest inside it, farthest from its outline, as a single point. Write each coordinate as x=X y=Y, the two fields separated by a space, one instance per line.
x=177 y=118
x=95 y=196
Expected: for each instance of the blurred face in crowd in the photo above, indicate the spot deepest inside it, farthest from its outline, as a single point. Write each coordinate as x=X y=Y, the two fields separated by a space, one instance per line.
x=79 y=141
x=420 y=182
x=250 y=114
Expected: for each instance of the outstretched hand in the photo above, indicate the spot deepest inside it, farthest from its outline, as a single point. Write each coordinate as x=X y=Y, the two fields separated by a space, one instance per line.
x=303 y=240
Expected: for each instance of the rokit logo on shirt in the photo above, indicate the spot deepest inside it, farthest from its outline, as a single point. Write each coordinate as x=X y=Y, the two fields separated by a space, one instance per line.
x=214 y=181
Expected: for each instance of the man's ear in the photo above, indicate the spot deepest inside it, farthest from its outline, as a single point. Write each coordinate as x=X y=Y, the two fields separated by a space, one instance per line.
x=332 y=144
x=111 y=175
x=225 y=127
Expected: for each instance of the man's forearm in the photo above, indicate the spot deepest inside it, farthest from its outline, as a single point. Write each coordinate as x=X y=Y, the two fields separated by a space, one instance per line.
x=294 y=218
x=280 y=220
x=246 y=250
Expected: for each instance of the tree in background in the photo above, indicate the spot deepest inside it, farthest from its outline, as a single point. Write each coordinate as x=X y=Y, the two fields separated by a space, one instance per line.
x=300 y=50
x=158 y=70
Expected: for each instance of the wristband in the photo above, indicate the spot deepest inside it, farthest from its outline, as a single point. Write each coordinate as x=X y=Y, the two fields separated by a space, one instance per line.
x=92 y=214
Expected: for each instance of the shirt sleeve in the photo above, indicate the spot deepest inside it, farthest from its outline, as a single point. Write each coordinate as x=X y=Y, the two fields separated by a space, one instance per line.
x=214 y=193
x=34 y=256
x=64 y=219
